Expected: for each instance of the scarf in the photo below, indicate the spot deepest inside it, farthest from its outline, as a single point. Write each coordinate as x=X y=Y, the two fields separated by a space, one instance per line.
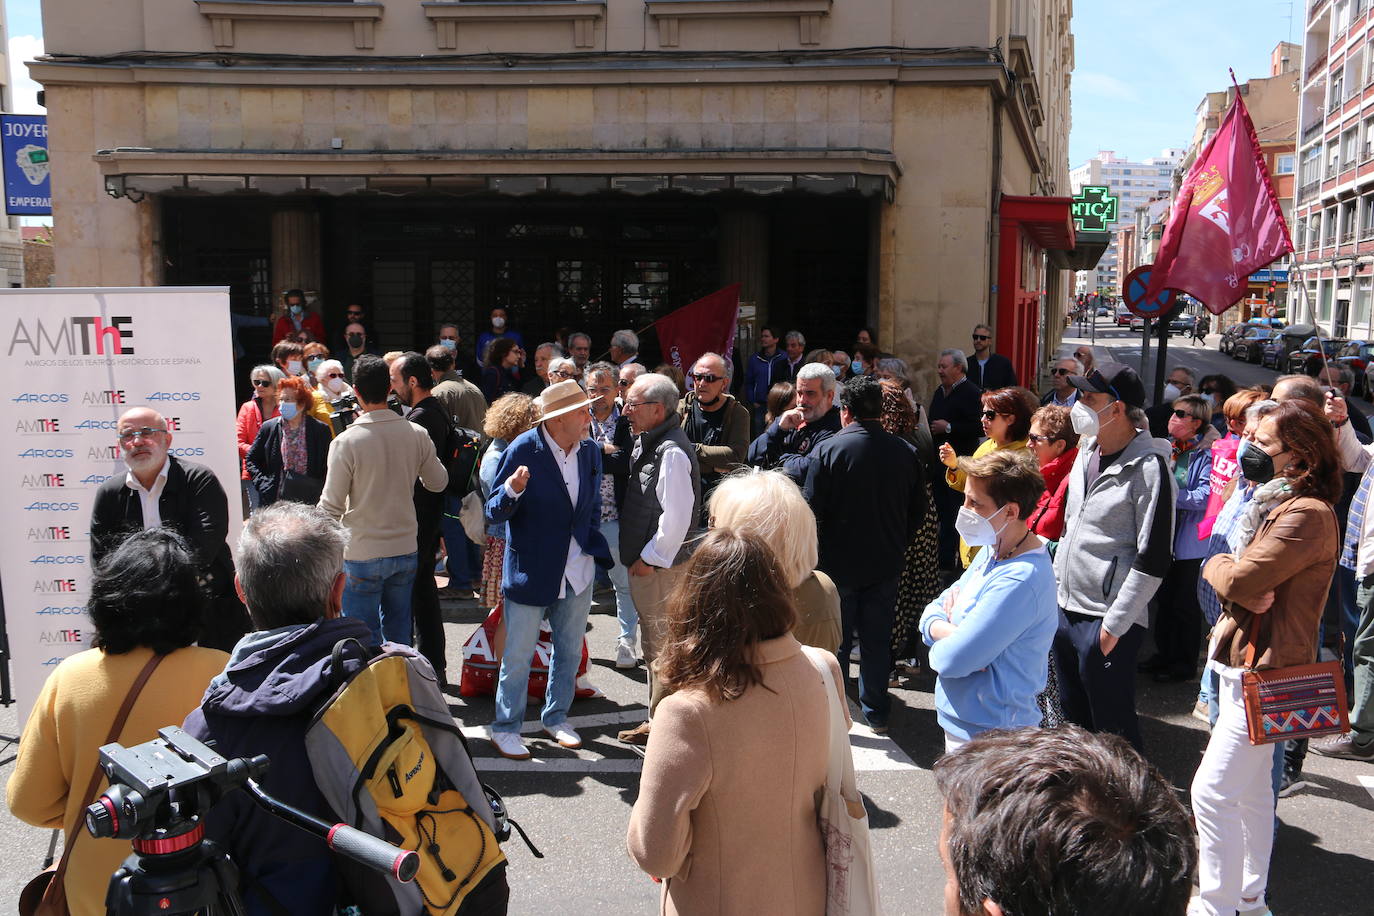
x=1265 y=498
x=1180 y=450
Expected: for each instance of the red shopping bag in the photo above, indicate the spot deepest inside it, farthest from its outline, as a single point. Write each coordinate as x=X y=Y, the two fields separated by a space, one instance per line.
x=482 y=666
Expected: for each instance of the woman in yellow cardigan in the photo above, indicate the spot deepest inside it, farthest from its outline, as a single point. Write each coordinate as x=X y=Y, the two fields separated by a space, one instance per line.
x=145 y=599
x=1006 y=423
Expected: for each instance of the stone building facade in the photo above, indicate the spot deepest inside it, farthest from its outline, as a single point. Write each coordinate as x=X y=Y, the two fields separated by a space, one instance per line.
x=584 y=163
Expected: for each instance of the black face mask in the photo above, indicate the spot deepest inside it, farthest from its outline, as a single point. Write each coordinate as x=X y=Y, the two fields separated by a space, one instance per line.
x=355 y=340
x=1257 y=465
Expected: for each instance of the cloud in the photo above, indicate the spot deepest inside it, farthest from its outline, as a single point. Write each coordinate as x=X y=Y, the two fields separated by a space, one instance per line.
x=23 y=90
x=1103 y=85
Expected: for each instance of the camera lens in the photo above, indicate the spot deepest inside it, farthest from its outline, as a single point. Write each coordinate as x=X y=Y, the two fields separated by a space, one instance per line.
x=100 y=818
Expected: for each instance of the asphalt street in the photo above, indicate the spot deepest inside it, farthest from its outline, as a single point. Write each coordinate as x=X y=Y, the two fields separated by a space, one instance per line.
x=575 y=804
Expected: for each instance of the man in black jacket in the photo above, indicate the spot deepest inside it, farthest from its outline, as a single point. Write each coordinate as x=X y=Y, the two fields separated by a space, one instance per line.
x=954 y=418
x=160 y=490
x=412 y=381
x=788 y=442
x=866 y=487
x=989 y=370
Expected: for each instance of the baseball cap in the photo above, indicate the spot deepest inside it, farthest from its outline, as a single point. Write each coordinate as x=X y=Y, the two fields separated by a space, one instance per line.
x=1116 y=379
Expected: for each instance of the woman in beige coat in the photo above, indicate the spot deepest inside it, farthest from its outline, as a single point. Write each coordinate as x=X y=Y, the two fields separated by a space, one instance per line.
x=726 y=814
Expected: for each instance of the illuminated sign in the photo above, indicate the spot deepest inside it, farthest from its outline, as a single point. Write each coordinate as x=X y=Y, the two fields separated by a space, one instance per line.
x=1094 y=209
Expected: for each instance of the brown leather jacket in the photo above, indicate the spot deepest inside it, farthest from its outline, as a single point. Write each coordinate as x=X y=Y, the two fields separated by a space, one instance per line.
x=1293 y=555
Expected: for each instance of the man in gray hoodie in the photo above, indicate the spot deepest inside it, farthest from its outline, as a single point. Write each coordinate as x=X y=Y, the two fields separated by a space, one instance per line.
x=1117 y=546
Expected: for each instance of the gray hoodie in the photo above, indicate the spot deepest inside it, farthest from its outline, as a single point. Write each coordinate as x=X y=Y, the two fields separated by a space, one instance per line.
x=1118 y=534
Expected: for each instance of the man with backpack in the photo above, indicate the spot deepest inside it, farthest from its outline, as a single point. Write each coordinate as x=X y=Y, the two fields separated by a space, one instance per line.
x=413 y=381
x=369 y=486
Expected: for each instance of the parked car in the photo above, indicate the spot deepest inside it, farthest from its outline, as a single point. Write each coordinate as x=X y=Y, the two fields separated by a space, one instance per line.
x=1357 y=357
x=1123 y=318
x=1275 y=352
x=1248 y=345
x=1308 y=358
x=1138 y=324
x=1103 y=312
x=1182 y=323
x=1229 y=337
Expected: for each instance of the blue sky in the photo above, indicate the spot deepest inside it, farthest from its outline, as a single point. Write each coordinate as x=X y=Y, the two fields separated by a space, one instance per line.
x=1141 y=69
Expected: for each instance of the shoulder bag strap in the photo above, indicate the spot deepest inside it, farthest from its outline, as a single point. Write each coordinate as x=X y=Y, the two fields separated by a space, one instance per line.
x=120 y=718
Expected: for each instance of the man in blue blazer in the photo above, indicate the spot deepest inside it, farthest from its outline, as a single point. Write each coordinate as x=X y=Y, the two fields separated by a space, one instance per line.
x=548 y=493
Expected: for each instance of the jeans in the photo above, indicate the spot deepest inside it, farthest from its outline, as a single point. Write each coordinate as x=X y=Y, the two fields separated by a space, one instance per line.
x=377 y=592
x=1362 y=702
x=464 y=562
x=568 y=621
x=870 y=610
x=620 y=579
x=1097 y=691
x=1233 y=804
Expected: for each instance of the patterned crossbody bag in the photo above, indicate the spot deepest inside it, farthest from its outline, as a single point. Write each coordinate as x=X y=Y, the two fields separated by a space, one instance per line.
x=1299 y=701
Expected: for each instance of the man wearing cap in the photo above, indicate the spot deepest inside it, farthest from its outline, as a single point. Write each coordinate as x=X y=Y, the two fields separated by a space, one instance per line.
x=1117 y=546
x=548 y=493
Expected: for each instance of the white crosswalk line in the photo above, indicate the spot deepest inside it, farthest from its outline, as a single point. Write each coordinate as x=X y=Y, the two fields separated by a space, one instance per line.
x=1368 y=783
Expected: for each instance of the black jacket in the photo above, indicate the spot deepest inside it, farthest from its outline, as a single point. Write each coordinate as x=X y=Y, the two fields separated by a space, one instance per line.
x=430 y=416
x=617 y=463
x=790 y=449
x=264 y=462
x=867 y=489
x=998 y=373
x=960 y=409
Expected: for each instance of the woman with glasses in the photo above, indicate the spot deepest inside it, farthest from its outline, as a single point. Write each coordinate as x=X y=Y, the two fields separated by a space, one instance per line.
x=288 y=458
x=1006 y=423
x=254 y=412
x=1217 y=389
x=1178 y=625
x=564 y=369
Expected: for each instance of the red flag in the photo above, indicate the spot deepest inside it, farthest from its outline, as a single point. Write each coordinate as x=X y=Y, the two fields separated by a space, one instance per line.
x=1226 y=222
x=704 y=326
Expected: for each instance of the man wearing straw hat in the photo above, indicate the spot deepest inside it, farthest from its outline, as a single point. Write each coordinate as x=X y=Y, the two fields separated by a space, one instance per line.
x=548 y=492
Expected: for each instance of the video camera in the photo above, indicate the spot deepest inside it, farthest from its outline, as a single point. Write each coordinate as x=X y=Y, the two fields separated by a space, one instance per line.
x=343 y=412
x=159 y=795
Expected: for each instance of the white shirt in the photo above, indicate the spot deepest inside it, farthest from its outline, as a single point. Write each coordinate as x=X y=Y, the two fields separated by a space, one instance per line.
x=675 y=497
x=148 y=499
x=580 y=568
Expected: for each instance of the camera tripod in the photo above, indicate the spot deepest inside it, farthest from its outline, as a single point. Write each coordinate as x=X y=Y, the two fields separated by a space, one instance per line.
x=159 y=793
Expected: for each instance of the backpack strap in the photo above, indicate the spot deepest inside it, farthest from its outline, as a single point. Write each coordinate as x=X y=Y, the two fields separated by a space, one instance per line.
x=336 y=661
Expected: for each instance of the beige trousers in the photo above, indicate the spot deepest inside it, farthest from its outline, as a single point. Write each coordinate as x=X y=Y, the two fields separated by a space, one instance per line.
x=651 y=600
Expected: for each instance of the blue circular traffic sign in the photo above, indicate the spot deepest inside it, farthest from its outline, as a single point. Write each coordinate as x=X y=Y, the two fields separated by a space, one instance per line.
x=1133 y=294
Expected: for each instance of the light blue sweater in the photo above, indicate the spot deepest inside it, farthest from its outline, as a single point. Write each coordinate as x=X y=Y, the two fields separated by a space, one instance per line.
x=992 y=668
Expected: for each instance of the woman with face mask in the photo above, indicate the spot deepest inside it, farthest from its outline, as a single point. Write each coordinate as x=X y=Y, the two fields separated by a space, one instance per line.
x=257 y=410
x=990 y=632
x=296 y=316
x=288 y=458
x=1273 y=590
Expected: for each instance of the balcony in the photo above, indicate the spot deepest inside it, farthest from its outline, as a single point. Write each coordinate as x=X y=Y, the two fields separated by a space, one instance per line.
x=1317 y=65
x=1312 y=131
x=1309 y=191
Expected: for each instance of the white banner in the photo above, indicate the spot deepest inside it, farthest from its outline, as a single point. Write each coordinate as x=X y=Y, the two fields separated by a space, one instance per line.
x=74 y=360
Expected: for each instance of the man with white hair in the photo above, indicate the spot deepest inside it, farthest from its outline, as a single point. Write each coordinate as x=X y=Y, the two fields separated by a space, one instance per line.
x=660 y=511
x=955 y=417
x=1061 y=393
x=788 y=442
x=624 y=347
x=716 y=423
x=795 y=345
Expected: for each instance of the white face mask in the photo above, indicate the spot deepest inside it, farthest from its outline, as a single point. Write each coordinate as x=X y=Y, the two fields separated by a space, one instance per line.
x=1085 y=419
x=498 y=323
x=335 y=385
x=293 y=366
x=1171 y=393
x=976 y=530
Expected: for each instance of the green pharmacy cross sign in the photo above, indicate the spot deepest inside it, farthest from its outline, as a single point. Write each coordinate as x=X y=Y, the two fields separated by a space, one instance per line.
x=1094 y=209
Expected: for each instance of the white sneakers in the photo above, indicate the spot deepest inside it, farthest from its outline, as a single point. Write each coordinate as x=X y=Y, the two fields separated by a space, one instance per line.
x=565 y=735
x=511 y=746
x=625 y=656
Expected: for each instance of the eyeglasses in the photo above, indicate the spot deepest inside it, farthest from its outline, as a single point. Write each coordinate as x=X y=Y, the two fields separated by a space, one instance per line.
x=1184 y=415
x=1058 y=371
x=706 y=378
x=352 y=314
x=982 y=337
x=262 y=383
x=632 y=405
x=623 y=383
x=990 y=415
x=143 y=432
x=334 y=375
x=1034 y=439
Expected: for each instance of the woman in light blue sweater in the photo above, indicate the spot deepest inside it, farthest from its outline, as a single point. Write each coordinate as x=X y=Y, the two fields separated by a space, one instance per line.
x=990 y=633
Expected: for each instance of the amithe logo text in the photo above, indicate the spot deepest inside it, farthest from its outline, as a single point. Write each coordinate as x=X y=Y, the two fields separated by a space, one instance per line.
x=83 y=335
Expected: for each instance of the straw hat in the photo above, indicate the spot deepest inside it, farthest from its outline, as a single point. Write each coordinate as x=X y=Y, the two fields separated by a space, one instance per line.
x=563 y=397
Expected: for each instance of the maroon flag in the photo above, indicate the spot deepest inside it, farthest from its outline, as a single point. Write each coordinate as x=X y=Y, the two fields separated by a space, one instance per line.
x=704 y=326
x=1226 y=222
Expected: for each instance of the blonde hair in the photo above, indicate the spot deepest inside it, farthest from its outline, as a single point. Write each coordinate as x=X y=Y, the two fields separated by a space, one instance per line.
x=769 y=504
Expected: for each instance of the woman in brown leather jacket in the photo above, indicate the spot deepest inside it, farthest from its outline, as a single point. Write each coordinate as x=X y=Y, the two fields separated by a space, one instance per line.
x=1272 y=591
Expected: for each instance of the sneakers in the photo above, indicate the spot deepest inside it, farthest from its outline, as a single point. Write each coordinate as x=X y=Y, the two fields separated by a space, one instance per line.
x=510 y=745
x=1259 y=909
x=854 y=654
x=565 y=735
x=1291 y=781
x=638 y=736
x=625 y=656
x=1200 y=712
x=1345 y=747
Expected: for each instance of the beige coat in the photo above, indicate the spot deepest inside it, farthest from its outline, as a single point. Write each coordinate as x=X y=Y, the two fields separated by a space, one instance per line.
x=726 y=813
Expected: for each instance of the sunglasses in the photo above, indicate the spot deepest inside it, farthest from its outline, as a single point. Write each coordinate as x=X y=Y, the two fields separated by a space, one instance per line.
x=1033 y=439
x=1184 y=415
x=706 y=378
x=1058 y=371
x=334 y=375
x=990 y=415
x=981 y=337
x=623 y=383
x=1209 y=391
x=261 y=383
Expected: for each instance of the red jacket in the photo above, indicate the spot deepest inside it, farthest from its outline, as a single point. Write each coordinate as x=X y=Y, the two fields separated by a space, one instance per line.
x=1048 y=518
x=310 y=321
x=249 y=422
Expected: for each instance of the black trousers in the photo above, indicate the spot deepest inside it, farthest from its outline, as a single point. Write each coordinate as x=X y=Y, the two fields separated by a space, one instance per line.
x=1097 y=691
x=1178 y=625
x=424 y=595
x=870 y=610
x=947 y=503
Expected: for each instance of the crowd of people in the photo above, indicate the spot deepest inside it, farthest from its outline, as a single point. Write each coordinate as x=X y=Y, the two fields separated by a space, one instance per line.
x=1012 y=544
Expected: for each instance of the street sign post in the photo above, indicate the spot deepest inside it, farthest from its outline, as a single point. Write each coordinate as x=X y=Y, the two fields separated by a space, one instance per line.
x=1159 y=308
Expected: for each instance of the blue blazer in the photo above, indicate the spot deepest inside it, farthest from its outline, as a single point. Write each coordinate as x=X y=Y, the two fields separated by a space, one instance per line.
x=540 y=521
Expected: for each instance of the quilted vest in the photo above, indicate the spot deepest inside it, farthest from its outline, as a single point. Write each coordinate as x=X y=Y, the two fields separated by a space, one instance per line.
x=640 y=512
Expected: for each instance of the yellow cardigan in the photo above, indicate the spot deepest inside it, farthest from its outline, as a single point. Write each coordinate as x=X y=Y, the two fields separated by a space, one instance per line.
x=955 y=478
x=73 y=715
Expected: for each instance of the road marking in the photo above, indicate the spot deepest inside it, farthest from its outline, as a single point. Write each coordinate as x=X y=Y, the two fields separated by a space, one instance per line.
x=1368 y=783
